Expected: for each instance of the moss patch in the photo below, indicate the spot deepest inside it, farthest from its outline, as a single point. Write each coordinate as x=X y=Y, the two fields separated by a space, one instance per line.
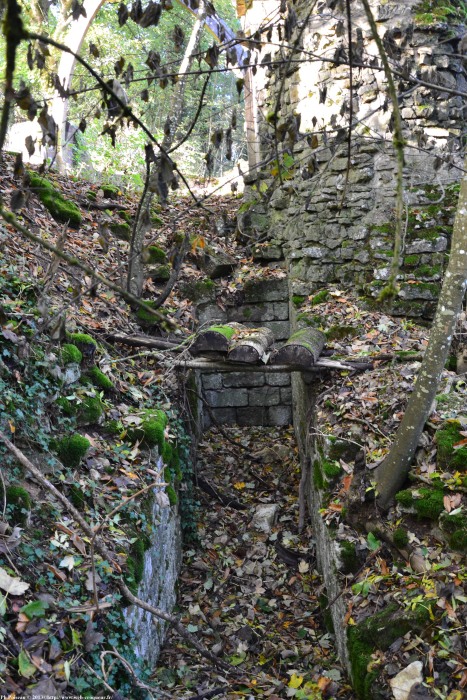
x=59 y=207
x=341 y=332
x=455 y=528
x=71 y=353
x=120 y=230
x=153 y=255
x=150 y=431
x=71 y=450
x=199 y=290
x=428 y=503
x=90 y=410
x=400 y=537
x=319 y=297
x=110 y=191
x=350 y=563
x=19 y=502
x=297 y=299
x=100 y=379
x=447 y=456
x=227 y=331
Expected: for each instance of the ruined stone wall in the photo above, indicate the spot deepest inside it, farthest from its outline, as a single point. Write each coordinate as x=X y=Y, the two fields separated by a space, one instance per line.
x=334 y=226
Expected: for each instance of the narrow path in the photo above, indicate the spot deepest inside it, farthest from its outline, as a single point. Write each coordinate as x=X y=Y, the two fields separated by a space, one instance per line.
x=252 y=595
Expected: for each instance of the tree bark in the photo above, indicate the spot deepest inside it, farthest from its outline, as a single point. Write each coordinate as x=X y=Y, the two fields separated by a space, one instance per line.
x=251 y=346
x=392 y=472
x=302 y=348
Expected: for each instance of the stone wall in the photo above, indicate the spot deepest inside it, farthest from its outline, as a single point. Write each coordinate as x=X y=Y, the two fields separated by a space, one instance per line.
x=249 y=398
x=337 y=226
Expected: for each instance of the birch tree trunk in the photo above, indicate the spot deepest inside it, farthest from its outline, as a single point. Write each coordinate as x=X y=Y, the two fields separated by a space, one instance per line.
x=391 y=474
x=135 y=266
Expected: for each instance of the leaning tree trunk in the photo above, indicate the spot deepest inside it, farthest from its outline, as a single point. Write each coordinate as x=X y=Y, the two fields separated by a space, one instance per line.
x=135 y=266
x=393 y=471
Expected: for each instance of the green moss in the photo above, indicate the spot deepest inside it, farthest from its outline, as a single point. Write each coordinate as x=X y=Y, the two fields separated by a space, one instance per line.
x=331 y=470
x=77 y=496
x=19 y=502
x=341 y=332
x=172 y=495
x=90 y=410
x=411 y=260
x=71 y=450
x=319 y=297
x=81 y=340
x=150 y=432
x=385 y=229
x=451 y=363
x=199 y=290
x=71 y=353
x=161 y=273
x=227 y=331
x=297 y=300
x=145 y=317
x=455 y=527
x=427 y=271
x=318 y=479
x=153 y=255
x=100 y=379
x=114 y=427
x=400 y=537
x=379 y=631
x=458 y=540
x=110 y=191
x=448 y=457
x=156 y=220
x=247 y=312
x=350 y=563
x=428 y=503
x=125 y=215
x=60 y=208
x=68 y=407
x=167 y=453
x=120 y=230
x=91 y=195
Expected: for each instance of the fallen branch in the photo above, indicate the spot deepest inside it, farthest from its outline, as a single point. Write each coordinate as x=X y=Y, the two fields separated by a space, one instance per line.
x=106 y=554
x=145 y=342
x=221 y=366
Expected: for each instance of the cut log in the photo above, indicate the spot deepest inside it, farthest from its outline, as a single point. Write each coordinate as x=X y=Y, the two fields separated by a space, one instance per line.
x=216 y=339
x=302 y=349
x=251 y=346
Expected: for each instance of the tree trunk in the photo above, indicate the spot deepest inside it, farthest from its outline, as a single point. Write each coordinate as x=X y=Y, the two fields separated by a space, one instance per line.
x=135 y=266
x=391 y=474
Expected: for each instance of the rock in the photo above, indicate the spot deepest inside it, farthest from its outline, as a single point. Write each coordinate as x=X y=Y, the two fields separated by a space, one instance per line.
x=402 y=684
x=265 y=517
x=217 y=264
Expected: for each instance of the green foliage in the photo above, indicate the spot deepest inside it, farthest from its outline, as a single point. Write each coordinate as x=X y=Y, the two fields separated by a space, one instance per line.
x=432 y=12
x=428 y=503
x=60 y=208
x=19 y=502
x=71 y=353
x=71 y=450
x=100 y=379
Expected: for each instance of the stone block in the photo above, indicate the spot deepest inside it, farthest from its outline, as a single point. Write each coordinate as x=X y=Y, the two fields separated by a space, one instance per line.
x=286 y=396
x=279 y=415
x=210 y=313
x=224 y=416
x=423 y=245
x=245 y=379
x=278 y=379
x=211 y=381
x=252 y=416
x=251 y=313
x=264 y=396
x=281 y=311
x=281 y=329
x=224 y=399
x=266 y=290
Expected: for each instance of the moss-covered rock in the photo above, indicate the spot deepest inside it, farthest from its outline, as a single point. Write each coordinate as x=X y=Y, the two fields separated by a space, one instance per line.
x=19 y=502
x=348 y=557
x=60 y=208
x=153 y=255
x=379 y=631
x=100 y=379
x=110 y=191
x=199 y=290
x=71 y=449
x=120 y=230
x=426 y=502
x=319 y=297
x=160 y=273
x=144 y=317
x=71 y=353
x=339 y=332
x=455 y=528
x=150 y=432
x=446 y=438
x=84 y=342
x=90 y=410
x=400 y=537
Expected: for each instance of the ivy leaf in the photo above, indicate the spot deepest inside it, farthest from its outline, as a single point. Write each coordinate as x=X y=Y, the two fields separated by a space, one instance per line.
x=36 y=608
x=25 y=667
x=373 y=542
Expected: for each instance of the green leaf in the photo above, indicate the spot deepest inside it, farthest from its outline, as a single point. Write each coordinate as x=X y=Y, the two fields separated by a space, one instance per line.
x=26 y=668
x=288 y=160
x=76 y=637
x=373 y=543
x=237 y=659
x=36 y=608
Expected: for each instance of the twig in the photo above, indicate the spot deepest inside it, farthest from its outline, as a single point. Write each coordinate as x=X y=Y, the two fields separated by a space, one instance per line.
x=210 y=693
x=136 y=681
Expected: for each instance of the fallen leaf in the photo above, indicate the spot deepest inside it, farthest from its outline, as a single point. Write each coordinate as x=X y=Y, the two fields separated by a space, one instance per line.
x=12 y=584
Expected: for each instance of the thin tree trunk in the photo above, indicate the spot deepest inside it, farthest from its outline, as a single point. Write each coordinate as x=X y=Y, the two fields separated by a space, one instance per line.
x=391 y=474
x=135 y=266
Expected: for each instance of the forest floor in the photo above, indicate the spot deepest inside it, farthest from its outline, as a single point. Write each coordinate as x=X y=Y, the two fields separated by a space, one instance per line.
x=253 y=596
